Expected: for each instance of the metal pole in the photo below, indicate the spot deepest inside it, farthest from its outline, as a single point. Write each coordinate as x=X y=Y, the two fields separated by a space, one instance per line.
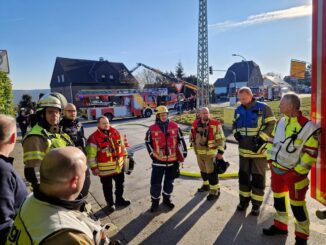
x=72 y=101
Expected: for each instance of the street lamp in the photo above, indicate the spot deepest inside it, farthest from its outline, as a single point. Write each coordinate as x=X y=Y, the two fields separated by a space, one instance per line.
x=244 y=60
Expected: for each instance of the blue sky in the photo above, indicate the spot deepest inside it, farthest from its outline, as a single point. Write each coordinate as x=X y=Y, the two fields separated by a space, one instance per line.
x=159 y=33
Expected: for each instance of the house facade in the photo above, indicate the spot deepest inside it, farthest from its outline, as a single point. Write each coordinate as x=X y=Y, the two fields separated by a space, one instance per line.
x=244 y=73
x=72 y=75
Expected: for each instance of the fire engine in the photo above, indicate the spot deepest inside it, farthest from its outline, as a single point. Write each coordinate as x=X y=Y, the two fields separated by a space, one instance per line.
x=172 y=100
x=118 y=103
x=318 y=95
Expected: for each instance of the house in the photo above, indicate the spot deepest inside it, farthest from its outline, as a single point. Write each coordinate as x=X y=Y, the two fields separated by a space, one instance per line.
x=72 y=75
x=244 y=73
x=221 y=89
x=270 y=81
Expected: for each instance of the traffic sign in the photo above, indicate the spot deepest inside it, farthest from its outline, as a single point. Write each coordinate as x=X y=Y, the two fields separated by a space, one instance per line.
x=179 y=86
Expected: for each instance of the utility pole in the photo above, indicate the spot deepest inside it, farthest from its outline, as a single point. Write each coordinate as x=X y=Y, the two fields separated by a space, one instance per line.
x=202 y=57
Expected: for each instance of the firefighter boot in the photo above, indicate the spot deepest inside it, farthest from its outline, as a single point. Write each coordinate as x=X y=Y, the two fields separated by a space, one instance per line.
x=300 y=241
x=203 y=188
x=242 y=206
x=110 y=207
x=155 y=205
x=120 y=201
x=213 y=195
x=255 y=210
x=273 y=230
x=167 y=201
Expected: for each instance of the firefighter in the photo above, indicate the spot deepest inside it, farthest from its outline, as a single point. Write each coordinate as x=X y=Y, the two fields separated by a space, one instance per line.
x=163 y=141
x=253 y=124
x=106 y=155
x=23 y=121
x=71 y=126
x=12 y=188
x=51 y=214
x=292 y=150
x=208 y=140
x=45 y=135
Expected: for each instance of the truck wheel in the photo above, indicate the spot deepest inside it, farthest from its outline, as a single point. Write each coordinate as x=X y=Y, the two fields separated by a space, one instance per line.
x=109 y=116
x=148 y=113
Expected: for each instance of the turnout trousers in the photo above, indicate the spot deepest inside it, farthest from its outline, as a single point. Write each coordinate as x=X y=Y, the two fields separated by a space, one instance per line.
x=252 y=177
x=206 y=166
x=158 y=171
x=293 y=185
x=107 y=187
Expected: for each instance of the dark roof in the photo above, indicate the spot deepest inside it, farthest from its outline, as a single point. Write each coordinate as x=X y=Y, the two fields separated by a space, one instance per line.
x=221 y=82
x=241 y=71
x=89 y=71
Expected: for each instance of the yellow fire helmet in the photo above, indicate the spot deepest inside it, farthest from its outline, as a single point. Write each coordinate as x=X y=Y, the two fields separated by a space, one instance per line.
x=54 y=99
x=161 y=109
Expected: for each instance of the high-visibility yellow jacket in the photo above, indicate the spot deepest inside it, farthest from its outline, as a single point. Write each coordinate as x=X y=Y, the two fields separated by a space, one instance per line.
x=294 y=144
x=106 y=152
x=39 y=141
x=252 y=121
x=39 y=222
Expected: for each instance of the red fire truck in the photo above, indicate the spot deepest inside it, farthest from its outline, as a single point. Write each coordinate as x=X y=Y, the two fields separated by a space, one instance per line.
x=118 y=103
x=318 y=95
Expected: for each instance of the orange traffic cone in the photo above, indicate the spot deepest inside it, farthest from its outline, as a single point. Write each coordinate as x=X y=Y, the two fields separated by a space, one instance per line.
x=125 y=140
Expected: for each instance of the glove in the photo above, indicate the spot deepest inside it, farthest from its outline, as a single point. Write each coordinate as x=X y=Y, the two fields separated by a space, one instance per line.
x=237 y=136
x=257 y=142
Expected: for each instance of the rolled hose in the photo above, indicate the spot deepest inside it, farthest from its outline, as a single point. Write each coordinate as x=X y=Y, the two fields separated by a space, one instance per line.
x=197 y=174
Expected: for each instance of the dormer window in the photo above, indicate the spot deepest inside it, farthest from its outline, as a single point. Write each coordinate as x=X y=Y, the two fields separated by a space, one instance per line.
x=103 y=77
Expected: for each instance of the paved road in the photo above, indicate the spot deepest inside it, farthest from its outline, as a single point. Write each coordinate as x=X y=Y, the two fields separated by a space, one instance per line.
x=194 y=220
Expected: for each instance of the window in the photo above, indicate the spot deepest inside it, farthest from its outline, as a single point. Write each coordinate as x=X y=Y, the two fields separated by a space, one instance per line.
x=103 y=78
x=63 y=78
x=111 y=77
x=58 y=78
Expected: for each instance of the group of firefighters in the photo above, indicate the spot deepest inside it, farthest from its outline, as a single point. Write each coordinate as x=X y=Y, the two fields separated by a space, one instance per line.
x=290 y=146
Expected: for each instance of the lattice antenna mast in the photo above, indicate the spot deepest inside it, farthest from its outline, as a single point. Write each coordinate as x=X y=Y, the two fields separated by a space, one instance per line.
x=202 y=57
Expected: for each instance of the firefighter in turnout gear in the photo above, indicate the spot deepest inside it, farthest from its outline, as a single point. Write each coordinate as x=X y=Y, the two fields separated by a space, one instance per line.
x=50 y=215
x=44 y=136
x=253 y=124
x=163 y=141
x=292 y=150
x=106 y=155
x=71 y=126
x=208 y=140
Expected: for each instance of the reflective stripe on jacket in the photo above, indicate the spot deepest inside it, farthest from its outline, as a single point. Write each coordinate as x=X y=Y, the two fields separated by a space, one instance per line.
x=164 y=144
x=294 y=144
x=34 y=152
x=207 y=139
x=106 y=152
x=37 y=221
x=251 y=121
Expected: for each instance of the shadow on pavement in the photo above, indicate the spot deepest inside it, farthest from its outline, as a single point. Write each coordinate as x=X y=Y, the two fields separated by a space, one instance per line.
x=177 y=226
x=242 y=229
